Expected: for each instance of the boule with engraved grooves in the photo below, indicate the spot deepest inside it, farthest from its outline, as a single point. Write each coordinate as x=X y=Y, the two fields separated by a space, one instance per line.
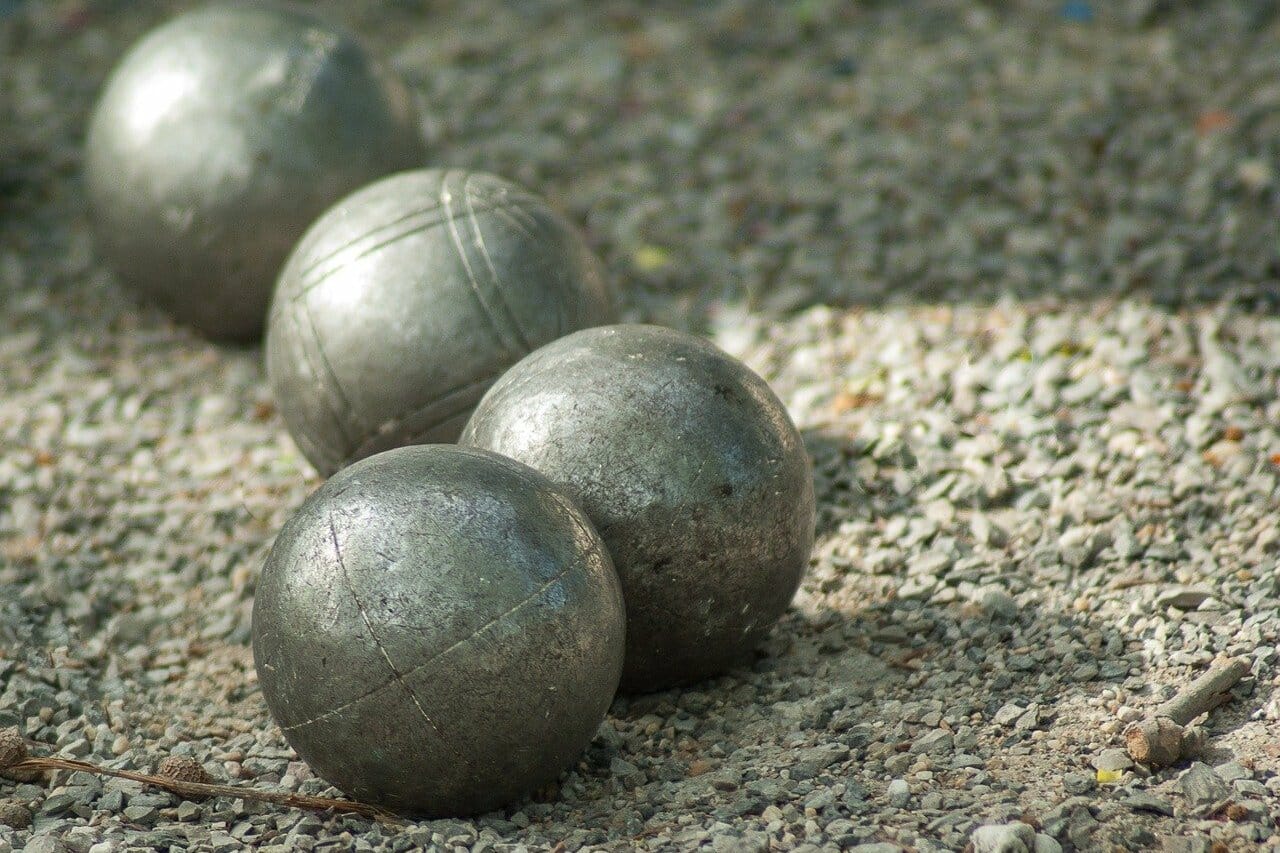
x=438 y=630
x=218 y=139
x=403 y=304
x=693 y=473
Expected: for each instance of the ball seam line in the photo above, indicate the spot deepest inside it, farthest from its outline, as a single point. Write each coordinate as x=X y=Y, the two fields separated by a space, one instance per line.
x=495 y=281
x=327 y=368
x=378 y=229
x=419 y=667
x=305 y=287
x=397 y=678
x=446 y=198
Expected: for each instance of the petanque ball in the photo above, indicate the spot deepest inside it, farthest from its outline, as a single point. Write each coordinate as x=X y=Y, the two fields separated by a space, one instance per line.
x=438 y=630
x=403 y=304
x=691 y=470
x=219 y=137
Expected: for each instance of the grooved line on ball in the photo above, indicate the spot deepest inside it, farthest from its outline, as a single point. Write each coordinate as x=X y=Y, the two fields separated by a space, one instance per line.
x=494 y=280
x=514 y=203
x=306 y=71
x=426 y=663
x=327 y=368
x=390 y=426
x=368 y=624
x=417 y=228
x=446 y=199
x=377 y=229
x=513 y=207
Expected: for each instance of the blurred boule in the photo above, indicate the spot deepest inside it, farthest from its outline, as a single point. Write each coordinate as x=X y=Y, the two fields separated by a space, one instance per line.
x=219 y=137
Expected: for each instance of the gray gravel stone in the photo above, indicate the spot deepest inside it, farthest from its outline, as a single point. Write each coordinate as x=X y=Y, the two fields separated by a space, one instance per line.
x=1185 y=844
x=58 y=804
x=141 y=814
x=1232 y=771
x=1004 y=838
x=220 y=842
x=1250 y=788
x=15 y=815
x=1116 y=760
x=112 y=801
x=1046 y=844
x=44 y=843
x=1008 y=714
x=1201 y=786
x=937 y=743
x=1184 y=598
x=1079 y=783
x=1140 y=801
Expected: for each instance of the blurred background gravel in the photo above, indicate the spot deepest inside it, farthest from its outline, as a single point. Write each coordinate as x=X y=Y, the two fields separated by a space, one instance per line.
x=1013 y=267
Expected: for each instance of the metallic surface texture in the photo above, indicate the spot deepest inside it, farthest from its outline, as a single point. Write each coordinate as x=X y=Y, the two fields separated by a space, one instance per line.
x=438 y=630
x=219 y=138
x=691 y=470
x=403 y=304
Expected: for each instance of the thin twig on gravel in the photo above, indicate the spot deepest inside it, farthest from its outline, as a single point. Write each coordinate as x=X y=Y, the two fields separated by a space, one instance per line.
x=14 y=761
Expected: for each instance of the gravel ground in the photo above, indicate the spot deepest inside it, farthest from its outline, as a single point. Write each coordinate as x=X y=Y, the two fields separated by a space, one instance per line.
x=1012 y=267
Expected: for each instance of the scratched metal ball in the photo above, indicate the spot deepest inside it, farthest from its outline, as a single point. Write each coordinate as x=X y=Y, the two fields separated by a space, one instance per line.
x=691 y=470
x=438 y=630
x=403 y=304
x=221 y=135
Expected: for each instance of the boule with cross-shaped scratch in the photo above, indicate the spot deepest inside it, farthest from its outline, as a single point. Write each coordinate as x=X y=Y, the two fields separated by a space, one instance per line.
x=438 y=630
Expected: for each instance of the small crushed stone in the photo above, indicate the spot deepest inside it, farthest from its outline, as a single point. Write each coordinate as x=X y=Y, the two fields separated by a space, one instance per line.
x=1012 y=271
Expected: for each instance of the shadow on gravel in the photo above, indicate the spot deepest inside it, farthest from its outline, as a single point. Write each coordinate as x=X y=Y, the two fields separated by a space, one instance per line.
x=839 y=701
x=974 y=689
x=834 y=455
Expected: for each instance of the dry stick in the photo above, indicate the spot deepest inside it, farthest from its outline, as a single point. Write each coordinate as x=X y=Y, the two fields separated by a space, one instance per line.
x=184 y=788
x=1161 y=739
x=1205 y=693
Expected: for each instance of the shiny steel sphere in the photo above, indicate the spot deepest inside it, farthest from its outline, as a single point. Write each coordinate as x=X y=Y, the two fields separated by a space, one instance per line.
x=691 y=470
x=438 y=630
x=218 y=139
x=403 y=304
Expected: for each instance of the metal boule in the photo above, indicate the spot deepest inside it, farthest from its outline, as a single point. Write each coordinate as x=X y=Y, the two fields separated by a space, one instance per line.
x=218 y=139
x=403 y=303
x=693 y=473
x=438 y=630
